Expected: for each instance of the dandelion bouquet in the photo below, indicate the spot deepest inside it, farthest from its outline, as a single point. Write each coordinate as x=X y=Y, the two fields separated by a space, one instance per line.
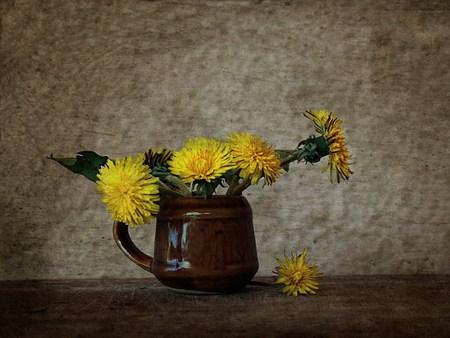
x=133 y=186
x=133 y=190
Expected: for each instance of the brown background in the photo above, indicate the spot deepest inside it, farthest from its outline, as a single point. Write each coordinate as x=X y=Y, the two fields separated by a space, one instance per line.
x=119 y=77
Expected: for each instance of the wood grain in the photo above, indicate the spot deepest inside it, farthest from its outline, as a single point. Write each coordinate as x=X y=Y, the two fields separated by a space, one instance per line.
x=384 y=306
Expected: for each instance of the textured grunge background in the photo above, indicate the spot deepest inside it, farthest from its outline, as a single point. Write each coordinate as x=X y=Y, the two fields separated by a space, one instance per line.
x=119 y=77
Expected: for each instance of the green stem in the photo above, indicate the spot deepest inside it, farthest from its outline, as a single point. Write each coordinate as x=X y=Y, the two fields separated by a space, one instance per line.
x=289 y=159
x=169 y=191
x=180 y=185
x=296 y=155
x=162 y=184
x=240 y=188
x=234 y=183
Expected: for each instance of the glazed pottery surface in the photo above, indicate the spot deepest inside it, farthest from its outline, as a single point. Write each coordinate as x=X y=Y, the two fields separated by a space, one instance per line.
x=202 y=245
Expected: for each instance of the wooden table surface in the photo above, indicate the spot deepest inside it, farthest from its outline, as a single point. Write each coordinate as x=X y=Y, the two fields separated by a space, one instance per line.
x=350 y=306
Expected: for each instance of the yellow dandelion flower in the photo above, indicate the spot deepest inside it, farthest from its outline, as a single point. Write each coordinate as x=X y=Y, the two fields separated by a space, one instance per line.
x=201 y=159
x=297 y=275
x=129 y=190
x=155 y=157
x=329 y=126
x=255 y=157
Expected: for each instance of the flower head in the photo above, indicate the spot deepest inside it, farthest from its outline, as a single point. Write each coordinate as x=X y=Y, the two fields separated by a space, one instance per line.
x=297 y=275
x=129 y=190
x=255 y=157
x=329 y=126
x=201 y=159
x=155 y=157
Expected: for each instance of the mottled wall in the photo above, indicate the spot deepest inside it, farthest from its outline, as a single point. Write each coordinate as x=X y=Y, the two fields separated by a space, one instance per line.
x=119 y=77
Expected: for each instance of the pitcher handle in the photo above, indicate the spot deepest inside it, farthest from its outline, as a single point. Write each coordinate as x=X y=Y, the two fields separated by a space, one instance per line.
x=126 y=245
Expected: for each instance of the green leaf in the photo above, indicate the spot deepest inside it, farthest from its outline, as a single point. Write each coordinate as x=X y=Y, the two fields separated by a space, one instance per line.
x=87 y=163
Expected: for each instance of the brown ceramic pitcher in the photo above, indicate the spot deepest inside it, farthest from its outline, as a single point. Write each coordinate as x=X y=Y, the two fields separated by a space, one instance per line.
x=203 y=245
